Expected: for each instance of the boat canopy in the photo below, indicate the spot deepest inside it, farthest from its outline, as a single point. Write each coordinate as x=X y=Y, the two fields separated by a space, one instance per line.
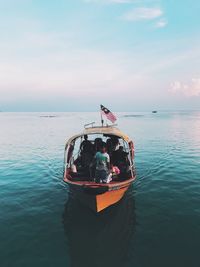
x=105 y=130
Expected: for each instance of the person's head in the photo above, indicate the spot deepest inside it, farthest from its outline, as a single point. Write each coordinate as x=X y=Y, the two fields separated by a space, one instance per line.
x=98 y=140
x=109 y=142
x=103 y=147
x=98 y=143
x=85 y=137
x=115 y=140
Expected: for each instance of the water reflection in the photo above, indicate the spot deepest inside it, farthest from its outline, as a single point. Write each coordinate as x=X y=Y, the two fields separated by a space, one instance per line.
x=101 y=239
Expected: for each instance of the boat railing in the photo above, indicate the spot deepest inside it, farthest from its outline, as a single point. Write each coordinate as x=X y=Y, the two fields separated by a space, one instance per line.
x=88 y=125
x=91 y=125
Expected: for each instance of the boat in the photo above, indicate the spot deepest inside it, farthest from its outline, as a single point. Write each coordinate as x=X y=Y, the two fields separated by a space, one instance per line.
x=81 y=179
x=154 y=111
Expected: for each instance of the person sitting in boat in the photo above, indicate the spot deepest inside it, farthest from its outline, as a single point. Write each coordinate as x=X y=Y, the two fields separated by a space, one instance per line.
x=122 y=155
x=115 y=143
x=98 y=144
x=109 y=146
x=119 y=156
x=120 y=159
x=86 y=153
x=102 y=165
x=86 y=145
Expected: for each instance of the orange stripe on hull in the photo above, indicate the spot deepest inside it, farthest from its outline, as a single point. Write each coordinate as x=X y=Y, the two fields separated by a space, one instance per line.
x=109 y=198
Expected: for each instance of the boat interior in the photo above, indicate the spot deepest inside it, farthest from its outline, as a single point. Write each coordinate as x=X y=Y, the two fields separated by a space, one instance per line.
x=80 y=154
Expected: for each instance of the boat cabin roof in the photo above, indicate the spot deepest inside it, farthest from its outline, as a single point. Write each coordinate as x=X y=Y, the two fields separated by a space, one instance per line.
x=105 y=130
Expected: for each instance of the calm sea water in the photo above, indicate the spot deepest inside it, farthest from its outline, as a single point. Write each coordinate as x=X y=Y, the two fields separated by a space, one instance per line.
x=156 y=224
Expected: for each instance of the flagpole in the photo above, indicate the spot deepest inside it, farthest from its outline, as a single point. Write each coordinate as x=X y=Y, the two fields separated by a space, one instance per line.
x=101 y=117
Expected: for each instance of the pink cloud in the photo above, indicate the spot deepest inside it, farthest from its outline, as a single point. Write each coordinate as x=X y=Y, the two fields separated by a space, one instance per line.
x=188 y=89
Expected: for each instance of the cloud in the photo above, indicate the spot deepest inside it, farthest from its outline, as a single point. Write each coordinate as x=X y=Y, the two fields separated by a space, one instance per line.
x=142 y=13
x=187 y=89
x=48 y=65
x=43 y=65
x=161 y=23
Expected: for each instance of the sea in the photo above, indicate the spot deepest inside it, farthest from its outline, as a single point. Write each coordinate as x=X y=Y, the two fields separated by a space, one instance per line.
x=156 y=224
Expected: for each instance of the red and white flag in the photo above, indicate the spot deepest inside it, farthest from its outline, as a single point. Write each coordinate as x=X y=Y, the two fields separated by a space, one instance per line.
x=109 y=115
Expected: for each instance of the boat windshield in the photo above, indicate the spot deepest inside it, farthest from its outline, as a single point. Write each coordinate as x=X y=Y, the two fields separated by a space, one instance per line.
x=80 y=156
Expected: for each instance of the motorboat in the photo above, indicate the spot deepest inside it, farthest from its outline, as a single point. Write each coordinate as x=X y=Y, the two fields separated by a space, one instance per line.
x=79 y=166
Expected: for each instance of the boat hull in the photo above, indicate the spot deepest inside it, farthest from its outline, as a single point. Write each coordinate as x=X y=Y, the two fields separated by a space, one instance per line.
x=109 y=198
x=97 y=197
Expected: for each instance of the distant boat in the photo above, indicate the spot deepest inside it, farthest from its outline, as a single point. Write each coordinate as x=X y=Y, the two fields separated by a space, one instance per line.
x=80 y=178
x=48 y=116
x=154 y=111
x=132 y=115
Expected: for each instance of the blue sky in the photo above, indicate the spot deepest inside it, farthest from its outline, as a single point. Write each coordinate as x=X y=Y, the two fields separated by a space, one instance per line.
x=73 y=55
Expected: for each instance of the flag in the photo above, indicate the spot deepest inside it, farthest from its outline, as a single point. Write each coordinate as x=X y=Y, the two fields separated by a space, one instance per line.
x=109 y=115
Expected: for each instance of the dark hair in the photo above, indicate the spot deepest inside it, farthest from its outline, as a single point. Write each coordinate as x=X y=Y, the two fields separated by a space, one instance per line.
x=103 y=145
x=85 y=136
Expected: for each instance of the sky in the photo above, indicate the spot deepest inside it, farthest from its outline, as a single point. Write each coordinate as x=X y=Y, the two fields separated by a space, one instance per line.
x=72 y=55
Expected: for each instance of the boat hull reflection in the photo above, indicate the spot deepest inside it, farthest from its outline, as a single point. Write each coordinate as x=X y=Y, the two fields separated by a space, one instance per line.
x=100 y=239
